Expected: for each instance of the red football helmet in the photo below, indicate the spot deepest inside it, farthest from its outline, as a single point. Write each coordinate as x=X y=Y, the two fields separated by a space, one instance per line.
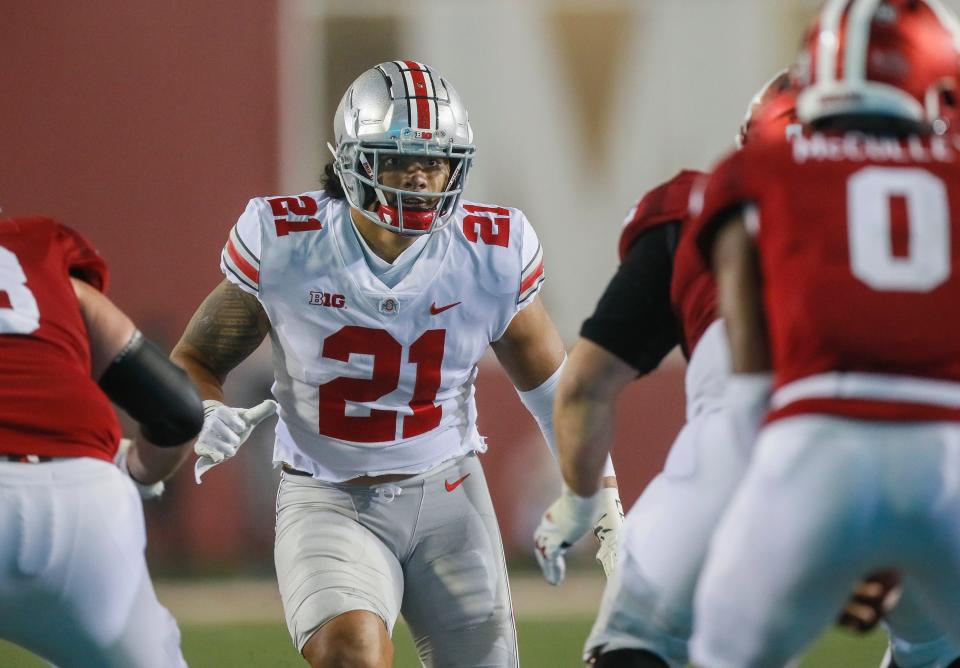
x=878 y=58
x=772 y=111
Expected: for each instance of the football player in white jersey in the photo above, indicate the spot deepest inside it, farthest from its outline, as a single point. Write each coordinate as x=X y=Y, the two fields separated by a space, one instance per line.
x=380 y=294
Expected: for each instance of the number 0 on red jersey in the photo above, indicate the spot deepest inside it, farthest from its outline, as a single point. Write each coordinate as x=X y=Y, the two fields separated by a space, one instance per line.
x=858 y=239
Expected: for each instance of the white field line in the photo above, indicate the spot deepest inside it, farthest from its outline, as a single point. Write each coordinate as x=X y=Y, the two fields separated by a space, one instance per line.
x=255 y=601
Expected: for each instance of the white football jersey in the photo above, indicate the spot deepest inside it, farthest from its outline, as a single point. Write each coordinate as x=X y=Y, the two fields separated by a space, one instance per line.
x=373 y=380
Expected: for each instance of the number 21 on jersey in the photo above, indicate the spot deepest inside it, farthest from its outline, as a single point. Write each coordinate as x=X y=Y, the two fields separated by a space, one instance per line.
x=387 y=353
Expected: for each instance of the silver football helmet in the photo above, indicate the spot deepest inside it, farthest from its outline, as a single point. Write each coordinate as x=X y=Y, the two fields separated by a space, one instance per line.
x=401 y=107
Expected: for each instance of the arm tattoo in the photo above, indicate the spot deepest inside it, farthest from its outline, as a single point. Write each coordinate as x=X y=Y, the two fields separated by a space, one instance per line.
x=228 y=326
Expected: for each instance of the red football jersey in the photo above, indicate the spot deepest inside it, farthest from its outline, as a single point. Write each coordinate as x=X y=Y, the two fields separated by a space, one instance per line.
x=692 y=290
x=49 y=404
x=857 y=237
x=666 y=203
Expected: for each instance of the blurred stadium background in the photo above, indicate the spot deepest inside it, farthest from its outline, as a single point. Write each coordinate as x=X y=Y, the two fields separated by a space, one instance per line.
x=147 y=126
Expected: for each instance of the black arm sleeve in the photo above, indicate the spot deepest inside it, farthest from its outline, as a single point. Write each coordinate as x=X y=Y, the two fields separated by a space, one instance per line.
x=634 y=318
x=155 y=392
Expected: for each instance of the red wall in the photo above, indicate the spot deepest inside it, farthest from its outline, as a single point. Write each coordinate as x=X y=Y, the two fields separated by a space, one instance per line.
x=146 y=126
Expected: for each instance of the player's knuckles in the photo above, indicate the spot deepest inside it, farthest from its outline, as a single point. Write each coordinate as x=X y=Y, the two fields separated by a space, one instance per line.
x=214 y=456
x=214 y=443
x=216 y=447
x=224 y=434
x=235 y=423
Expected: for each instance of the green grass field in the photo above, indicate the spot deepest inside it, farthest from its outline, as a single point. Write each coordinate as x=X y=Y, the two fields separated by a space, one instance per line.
x=547 y=643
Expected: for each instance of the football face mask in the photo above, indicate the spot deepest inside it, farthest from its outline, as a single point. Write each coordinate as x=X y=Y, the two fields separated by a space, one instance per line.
x=398 y=110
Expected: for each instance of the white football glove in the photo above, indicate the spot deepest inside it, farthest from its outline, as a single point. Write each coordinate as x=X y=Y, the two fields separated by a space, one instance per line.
x=147 y=492
x=607 y=530
x=224 y=430
x=567 y=520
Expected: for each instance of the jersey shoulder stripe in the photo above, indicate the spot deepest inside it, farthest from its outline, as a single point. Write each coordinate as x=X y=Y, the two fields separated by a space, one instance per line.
x=241 y=256
x=240 y=261
x=532 y=277
x=241 y=273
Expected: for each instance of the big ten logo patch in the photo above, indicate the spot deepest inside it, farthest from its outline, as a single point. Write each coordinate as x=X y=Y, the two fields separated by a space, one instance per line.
x=329 y=299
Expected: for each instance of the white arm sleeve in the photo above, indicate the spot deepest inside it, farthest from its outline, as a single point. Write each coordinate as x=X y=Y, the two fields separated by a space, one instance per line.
x=240 y=258
x=539 y=401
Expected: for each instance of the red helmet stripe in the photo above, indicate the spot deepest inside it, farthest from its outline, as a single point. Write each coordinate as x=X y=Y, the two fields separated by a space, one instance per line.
x=418 y=90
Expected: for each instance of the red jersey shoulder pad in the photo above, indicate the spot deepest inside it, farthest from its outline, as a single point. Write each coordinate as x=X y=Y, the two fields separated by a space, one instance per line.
x=666 y=203
x=81 y=259
x=727 y=187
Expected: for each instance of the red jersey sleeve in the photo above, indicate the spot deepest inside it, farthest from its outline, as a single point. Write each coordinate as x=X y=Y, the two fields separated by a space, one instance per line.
x=666 y=203
x=82 y=260
x=728 y=187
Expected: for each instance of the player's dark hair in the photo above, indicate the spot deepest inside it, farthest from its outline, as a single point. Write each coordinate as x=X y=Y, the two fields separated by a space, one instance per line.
x=331 y=183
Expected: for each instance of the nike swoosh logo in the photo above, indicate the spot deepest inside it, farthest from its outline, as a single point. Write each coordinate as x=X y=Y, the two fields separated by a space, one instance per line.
x=452 y=486
x=434 y=310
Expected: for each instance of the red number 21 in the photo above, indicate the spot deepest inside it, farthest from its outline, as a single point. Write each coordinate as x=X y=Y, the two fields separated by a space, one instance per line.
x=493 y=230
x=381 y=425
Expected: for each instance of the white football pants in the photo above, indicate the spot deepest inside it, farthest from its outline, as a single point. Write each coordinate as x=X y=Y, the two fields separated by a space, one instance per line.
x=74 y=586
x=648 y=604
x=826 y=501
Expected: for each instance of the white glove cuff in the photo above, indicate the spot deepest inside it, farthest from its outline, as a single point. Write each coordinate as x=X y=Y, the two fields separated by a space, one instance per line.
x=147 y=492
x=210 y=405
x=585 y=508
x=609 y=501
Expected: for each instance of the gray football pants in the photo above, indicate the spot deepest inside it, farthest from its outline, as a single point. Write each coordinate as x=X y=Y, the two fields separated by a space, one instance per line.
x=410 y=547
